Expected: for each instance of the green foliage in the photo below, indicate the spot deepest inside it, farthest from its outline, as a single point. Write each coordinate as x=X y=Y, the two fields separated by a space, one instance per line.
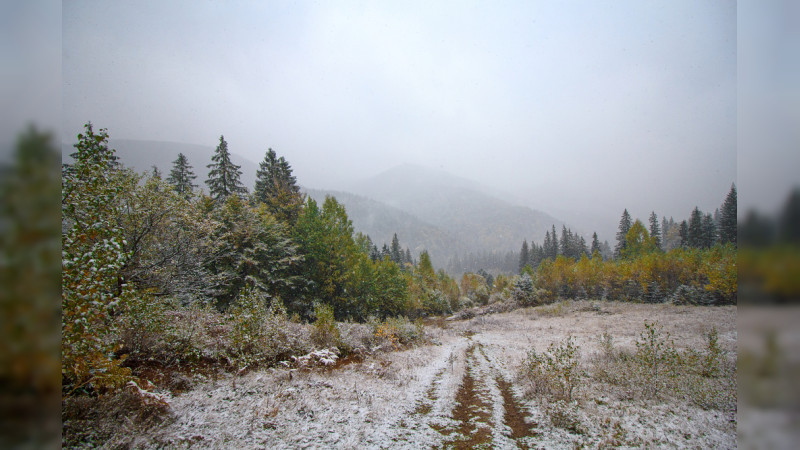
x=92 y=256
x=638 y=241
x=247 y=246
x=277 y=188
x=523 y=290
x=555 y=374
x=325 y=333
x=728 y=216
x=224 y=176
x=181 y=177
x=258 y=330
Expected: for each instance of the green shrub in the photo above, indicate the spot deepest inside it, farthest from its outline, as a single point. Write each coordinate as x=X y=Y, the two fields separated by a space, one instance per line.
x=258 y=330
x=325 y=333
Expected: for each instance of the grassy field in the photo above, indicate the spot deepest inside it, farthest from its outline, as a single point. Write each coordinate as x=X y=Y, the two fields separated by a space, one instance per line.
x=565 y=375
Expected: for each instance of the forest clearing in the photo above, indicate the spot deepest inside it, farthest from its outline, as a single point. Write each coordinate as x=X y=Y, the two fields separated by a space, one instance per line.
x=468 y=386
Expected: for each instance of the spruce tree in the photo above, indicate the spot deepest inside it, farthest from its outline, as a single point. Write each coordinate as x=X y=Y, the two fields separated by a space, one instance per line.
x=709 y=231
x=524 y=256
x=224 y=176
x=696 y=235
x=277 y=188
x=181 y=176
x=408 y=257
x=554 y=250
x=396 y=252
x=727 y=218
x=625 y=224
x=683 y=232
x=595 y=243
x=655 y=231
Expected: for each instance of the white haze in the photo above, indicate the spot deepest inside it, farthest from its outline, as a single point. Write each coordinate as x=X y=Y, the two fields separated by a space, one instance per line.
x=578 y=108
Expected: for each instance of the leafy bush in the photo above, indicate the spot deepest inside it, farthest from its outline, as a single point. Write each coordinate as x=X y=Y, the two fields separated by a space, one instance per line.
x=258 y=331
x=325 y=333
x=555 y=374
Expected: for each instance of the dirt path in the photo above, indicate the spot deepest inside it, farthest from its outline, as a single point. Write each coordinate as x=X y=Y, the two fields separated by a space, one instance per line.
x=486 y=412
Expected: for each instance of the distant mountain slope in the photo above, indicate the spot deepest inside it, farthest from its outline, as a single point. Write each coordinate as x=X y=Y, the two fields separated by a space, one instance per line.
x=141 y=155
x=380 y=221
x=477 y=219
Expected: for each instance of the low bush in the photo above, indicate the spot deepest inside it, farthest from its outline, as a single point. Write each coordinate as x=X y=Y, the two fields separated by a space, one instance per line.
x=555 y=374
x=657 y=369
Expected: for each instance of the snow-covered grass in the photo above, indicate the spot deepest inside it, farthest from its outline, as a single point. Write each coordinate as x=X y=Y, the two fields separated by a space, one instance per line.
x=415 y=398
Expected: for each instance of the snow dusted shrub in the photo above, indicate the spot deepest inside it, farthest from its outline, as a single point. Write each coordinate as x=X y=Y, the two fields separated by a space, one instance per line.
x=258 y=330
x=395 y=332
x=325 y=333
x=704 y=377
x=655 y=359
x=522 y=291
x=555 y=374
x=143 y=325
x=565 y=415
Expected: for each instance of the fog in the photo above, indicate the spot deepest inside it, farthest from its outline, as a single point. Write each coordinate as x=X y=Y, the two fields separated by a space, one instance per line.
x=580 y=109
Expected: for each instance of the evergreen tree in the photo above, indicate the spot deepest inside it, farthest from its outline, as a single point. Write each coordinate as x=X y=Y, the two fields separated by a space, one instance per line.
x=655 y=232
x=554 y=250
x=709 y=231
x=277 y=188
x=223 y=178
x=595 y=243
x=565 y=246
x=789 y=219
x=727 y=218
x=582 y=250
x=396 y=253
x=625 y=224
x=696 y=234
x=385 y=252
x=683 y=232
x=408 y=257
x=524 y=256
x=181 y=176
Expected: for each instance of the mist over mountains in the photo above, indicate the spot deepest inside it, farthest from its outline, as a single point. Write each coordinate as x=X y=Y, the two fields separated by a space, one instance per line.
x=429 y=209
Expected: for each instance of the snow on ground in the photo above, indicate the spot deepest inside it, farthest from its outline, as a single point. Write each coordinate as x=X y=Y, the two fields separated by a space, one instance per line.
x=420 y=398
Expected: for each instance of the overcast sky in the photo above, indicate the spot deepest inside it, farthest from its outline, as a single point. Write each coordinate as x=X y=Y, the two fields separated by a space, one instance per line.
x=569 y=106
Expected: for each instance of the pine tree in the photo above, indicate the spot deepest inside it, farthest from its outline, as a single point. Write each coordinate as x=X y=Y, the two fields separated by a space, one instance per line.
x=396 y=253
x=223 y=178
x=565 y=246
x=709 y=231
x=727 y=218
x=696 y=236
x=277 y=188
x=595 y=243
x=181 y=176
x=524 y=256
x=683 y=232
x=554 y=250
x=408 y=257
x=624 y=226
x=655 y=231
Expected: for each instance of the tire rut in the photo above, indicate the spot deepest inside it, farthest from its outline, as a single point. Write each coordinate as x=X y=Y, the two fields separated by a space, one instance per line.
x=473 y=422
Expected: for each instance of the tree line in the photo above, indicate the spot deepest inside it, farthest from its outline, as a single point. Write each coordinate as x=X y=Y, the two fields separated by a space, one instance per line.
x=129 y=236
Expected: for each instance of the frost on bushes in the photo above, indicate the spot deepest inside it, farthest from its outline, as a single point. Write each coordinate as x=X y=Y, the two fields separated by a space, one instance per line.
x=394 y=332
x=523 y=291
x=325 y=357
x=690 y=295
x=258 y=331
x=656 y=369
x=555 y=374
